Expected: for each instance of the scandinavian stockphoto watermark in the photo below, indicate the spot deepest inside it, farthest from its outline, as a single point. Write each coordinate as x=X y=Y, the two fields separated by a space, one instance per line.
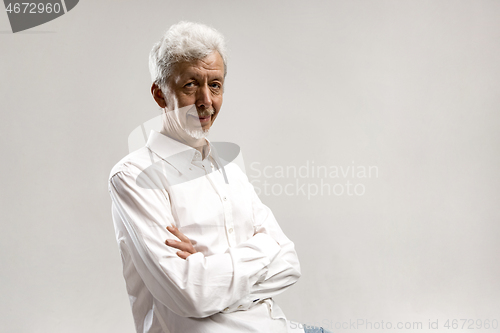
x=381 y=325
x=24 y=15
x=159 y=170
x=310 y=179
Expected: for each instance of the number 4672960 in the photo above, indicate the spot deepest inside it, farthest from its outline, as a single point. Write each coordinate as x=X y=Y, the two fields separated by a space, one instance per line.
x=471 y=324
x=33 y=8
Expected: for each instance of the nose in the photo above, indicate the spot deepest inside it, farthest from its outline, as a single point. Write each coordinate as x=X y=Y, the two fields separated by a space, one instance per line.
x=204 y=97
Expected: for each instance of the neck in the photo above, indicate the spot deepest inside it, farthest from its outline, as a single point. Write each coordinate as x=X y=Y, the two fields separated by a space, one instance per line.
x=173 y=129
x=185 y=139
x=197 y=144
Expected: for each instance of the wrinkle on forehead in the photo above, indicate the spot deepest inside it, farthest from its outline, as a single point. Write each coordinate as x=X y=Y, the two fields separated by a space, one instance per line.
x=199 y=67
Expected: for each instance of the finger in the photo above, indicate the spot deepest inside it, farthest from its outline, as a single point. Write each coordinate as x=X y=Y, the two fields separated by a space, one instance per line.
x=178 y=234
x=183 y=246
x=183 y=254
x=180 y=245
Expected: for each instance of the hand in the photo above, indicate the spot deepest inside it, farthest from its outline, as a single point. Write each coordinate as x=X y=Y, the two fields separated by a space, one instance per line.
x=185 y=246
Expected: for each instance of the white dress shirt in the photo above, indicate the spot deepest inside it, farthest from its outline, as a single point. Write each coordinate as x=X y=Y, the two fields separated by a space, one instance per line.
x=243 y=257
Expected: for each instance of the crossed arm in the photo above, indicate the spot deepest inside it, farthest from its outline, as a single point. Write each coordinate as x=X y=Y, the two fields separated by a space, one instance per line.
x=183 y=244
x=187 y=282
x=280 y=275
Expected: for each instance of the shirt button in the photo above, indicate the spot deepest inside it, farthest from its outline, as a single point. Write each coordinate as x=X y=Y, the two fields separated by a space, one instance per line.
x=226 y=309
x=240 y=307
x=230 y=230
x=225 y=198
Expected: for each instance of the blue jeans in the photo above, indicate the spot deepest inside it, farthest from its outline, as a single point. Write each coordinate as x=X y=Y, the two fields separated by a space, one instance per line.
x=314 y=329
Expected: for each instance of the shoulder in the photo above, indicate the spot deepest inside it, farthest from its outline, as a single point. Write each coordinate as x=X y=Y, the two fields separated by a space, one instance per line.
x=133 y=163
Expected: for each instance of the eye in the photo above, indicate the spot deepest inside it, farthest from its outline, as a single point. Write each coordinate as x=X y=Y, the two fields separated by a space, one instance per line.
x=189 y=85
x=215 y=85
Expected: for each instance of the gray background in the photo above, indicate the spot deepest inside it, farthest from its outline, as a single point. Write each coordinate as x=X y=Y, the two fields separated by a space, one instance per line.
x=412 y=87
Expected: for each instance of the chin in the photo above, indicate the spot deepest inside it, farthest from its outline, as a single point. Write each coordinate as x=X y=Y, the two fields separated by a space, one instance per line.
x=198 y=134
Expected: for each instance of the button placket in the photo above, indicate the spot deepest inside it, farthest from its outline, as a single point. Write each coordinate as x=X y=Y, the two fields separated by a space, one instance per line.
x=216 y=167
x=205 y=168
x=228 y=212
x=230 y=228
x=229 y=220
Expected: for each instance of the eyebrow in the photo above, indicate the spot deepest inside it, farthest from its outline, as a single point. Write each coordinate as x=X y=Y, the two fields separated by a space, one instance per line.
x=193 y=75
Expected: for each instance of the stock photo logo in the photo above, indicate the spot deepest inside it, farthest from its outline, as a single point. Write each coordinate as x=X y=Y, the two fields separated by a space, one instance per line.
x=26 y=15
x=158 y=171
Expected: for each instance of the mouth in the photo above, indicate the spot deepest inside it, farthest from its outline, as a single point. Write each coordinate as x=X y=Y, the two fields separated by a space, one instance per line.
x=204 y=119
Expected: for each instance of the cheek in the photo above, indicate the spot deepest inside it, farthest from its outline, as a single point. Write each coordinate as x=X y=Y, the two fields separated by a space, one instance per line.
x=184 y=99
x=215 y=114
x=217 y=102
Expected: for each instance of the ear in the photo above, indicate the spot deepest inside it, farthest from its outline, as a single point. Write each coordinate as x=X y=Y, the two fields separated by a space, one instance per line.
x=158 y=96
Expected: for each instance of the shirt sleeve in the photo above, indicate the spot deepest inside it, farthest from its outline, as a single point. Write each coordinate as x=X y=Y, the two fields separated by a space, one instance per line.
x=200 y=285
x=284 y=269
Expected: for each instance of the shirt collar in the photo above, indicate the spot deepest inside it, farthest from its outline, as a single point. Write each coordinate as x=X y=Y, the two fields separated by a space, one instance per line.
x=172 y=151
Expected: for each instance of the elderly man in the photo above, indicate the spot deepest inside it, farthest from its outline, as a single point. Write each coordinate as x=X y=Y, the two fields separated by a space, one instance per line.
x=200 y=251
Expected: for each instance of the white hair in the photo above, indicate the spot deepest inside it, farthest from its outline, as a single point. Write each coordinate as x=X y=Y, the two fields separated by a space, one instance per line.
x=184 y=41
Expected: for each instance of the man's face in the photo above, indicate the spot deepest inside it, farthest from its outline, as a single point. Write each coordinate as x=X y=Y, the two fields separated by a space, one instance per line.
x=198 y=83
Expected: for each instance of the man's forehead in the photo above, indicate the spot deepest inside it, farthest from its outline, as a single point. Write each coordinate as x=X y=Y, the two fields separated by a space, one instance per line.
x=211 y=65
x=200 y=71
